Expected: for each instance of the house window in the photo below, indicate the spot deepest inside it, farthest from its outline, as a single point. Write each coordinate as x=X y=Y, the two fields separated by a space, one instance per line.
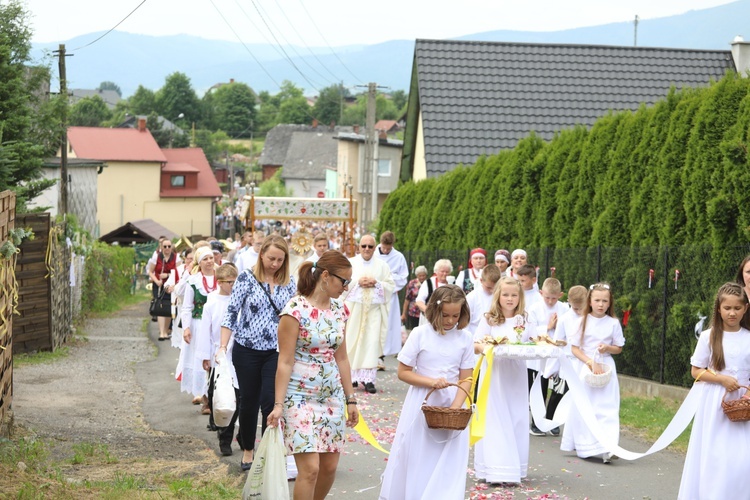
x=384 y=168
x=177 y=181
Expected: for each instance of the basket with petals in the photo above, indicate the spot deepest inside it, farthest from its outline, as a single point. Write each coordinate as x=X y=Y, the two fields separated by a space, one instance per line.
x=736 y=410
x=598 y=379
x=440 y=417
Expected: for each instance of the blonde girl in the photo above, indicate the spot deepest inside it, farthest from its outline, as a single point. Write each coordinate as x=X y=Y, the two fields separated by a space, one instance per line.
x=502 y=456
x=431 y=463
x=719 y=449
x=593 y=343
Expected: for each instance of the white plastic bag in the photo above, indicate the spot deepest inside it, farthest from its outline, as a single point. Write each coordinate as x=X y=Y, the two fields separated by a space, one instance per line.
x=267 y=477
x=224 y=403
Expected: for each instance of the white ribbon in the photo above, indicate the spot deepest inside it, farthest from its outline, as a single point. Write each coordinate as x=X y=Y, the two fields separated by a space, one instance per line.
x=577 y=395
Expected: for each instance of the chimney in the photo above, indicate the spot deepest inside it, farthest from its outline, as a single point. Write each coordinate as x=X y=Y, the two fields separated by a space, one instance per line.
x=231 y=81
x=141 y=124
x=741 y=55
x=356 y=129
x=315 y=123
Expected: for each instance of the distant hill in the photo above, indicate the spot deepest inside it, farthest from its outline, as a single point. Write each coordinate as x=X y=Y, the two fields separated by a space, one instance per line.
x=131 y=60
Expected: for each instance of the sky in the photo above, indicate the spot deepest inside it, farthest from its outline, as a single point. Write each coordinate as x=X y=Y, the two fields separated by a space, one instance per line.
x=340 y=22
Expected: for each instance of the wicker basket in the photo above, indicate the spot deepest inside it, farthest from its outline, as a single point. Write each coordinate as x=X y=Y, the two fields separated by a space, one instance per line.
x=736 y=410
x=599 y=379
x=439 y=417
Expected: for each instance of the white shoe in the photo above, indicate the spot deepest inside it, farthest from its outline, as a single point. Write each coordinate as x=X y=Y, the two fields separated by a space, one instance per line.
x=607 y=458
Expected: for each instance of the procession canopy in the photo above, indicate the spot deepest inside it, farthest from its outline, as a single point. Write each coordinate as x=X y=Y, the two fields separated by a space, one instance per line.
x=331 y=209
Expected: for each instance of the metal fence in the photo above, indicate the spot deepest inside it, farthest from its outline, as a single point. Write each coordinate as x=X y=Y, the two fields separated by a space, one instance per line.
x=661 y=294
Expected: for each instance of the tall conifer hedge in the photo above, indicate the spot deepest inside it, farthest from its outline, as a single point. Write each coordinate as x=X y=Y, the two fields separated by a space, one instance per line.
x=668 y=186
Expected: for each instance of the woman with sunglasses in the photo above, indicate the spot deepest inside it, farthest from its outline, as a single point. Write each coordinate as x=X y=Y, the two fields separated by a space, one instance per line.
x=252 y=319
x=313 y=383
x=368 y=299
x=163 y=268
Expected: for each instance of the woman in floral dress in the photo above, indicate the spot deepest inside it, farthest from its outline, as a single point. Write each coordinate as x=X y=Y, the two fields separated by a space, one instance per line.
x=313 y=378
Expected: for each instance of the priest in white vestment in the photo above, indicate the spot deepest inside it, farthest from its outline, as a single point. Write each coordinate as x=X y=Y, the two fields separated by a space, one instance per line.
x=368 y=301
x=400 y=274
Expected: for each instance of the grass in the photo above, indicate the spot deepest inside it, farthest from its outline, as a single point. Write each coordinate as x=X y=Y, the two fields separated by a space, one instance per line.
x=110 y=306
x=40 y=357
x=88 y=452
x=648 y=417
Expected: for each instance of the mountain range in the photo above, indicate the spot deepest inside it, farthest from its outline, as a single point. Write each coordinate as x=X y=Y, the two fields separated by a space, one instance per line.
x=131 y=60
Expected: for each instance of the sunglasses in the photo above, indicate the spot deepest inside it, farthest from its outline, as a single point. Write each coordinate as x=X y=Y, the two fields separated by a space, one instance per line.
x=344 y=282
x=166 y=246
x=367 y=246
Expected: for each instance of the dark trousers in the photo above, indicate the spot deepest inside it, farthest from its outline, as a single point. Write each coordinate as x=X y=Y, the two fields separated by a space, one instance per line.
x=545 y=383
x=256 y=375
x=226 y=434
x=554 y=400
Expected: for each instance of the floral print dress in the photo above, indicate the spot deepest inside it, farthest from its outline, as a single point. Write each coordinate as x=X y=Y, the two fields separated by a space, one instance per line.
x=314 y=404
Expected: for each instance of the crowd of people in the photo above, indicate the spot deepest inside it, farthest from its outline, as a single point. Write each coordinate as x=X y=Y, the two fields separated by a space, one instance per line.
x=303 y=333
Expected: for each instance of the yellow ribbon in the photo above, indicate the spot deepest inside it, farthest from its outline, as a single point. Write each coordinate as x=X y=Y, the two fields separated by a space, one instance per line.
x=478 y=422
x=364 y=431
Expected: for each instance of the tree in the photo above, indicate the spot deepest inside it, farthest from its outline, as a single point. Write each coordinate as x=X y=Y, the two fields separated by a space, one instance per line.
x=89 y=112
x=177 y=96
x=233 y=107
x=267 y=114
x=294 y=110
x=166 y=137
x=27 y=125
x=274 y=187
x=327 y=108
x=110 y=86
x=143 y=102
x=399 y=99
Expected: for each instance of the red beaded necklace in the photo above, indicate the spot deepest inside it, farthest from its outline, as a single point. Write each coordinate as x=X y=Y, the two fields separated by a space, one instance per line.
x=205 y=284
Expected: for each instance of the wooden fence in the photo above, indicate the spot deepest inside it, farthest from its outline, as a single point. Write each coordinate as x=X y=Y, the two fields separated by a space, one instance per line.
x=45 y=310
x=7 y=293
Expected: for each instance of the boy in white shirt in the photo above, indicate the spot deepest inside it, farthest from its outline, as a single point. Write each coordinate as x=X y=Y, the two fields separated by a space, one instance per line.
x=545 y=314
x=480 y=299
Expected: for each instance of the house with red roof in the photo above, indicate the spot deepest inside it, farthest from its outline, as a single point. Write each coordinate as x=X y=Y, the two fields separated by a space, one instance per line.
x=173 y=187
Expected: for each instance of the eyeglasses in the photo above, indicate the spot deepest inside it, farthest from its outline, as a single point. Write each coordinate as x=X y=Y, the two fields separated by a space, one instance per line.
x=166 y=246
x=367 y=246
x=226 y=281
x=599 y=285
x=344 y=282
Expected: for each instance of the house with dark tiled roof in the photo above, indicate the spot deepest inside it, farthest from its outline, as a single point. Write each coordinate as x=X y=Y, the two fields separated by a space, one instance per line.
x=174 y=187
x=469 y=98
x=110 y=97
x=305 y=152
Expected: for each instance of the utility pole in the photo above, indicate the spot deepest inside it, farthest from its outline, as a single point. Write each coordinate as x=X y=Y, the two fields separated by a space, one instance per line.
x=63 y=200
x=370 y=142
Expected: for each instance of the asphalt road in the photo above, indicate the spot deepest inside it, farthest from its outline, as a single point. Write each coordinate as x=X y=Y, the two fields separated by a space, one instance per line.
x=552 y=473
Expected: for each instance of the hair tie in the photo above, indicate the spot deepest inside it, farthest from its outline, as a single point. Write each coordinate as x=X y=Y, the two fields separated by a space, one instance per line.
x=315 y=264
x=438 y=301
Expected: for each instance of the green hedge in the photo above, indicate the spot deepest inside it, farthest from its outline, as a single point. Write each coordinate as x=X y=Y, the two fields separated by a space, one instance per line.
x=107 y=278
x=675 y=173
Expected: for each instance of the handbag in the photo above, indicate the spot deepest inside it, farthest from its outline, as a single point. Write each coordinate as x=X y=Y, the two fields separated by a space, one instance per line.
x=267 y=477
x=161 y=305
x=224 y=402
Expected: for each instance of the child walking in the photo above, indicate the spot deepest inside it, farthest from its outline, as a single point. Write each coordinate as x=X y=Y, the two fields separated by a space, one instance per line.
x=431 y=463
x=480 y=298
x=719 y=449
x=207 y=343
x=502 y=456
x=593 y=343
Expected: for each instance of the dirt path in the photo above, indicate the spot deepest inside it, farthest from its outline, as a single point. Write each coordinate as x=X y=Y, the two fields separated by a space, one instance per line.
x=92 y=397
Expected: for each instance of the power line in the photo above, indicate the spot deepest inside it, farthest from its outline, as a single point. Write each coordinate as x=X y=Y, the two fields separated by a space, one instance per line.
x=282 y=48
x=291 y=46
x=245 y=45
x=326 y=42
x=111 y=29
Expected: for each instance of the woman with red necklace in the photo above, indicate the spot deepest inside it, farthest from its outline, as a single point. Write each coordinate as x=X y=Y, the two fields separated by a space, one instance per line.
x=197 y=288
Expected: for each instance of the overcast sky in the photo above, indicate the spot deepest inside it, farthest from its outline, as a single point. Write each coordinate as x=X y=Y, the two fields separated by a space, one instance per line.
x=341 y=22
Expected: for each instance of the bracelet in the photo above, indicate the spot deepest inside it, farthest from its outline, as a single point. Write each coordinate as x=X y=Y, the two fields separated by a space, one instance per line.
x=223 y=347
x=278 y=404
x=590 y=362
x=351 y=403
x=700 y=375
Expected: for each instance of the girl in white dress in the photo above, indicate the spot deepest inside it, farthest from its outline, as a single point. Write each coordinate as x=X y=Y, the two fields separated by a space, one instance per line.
x=197 y=288
x=502 y=456
x=719 y=449
x=593 y=344
x=176 y=286
x=431 y=463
